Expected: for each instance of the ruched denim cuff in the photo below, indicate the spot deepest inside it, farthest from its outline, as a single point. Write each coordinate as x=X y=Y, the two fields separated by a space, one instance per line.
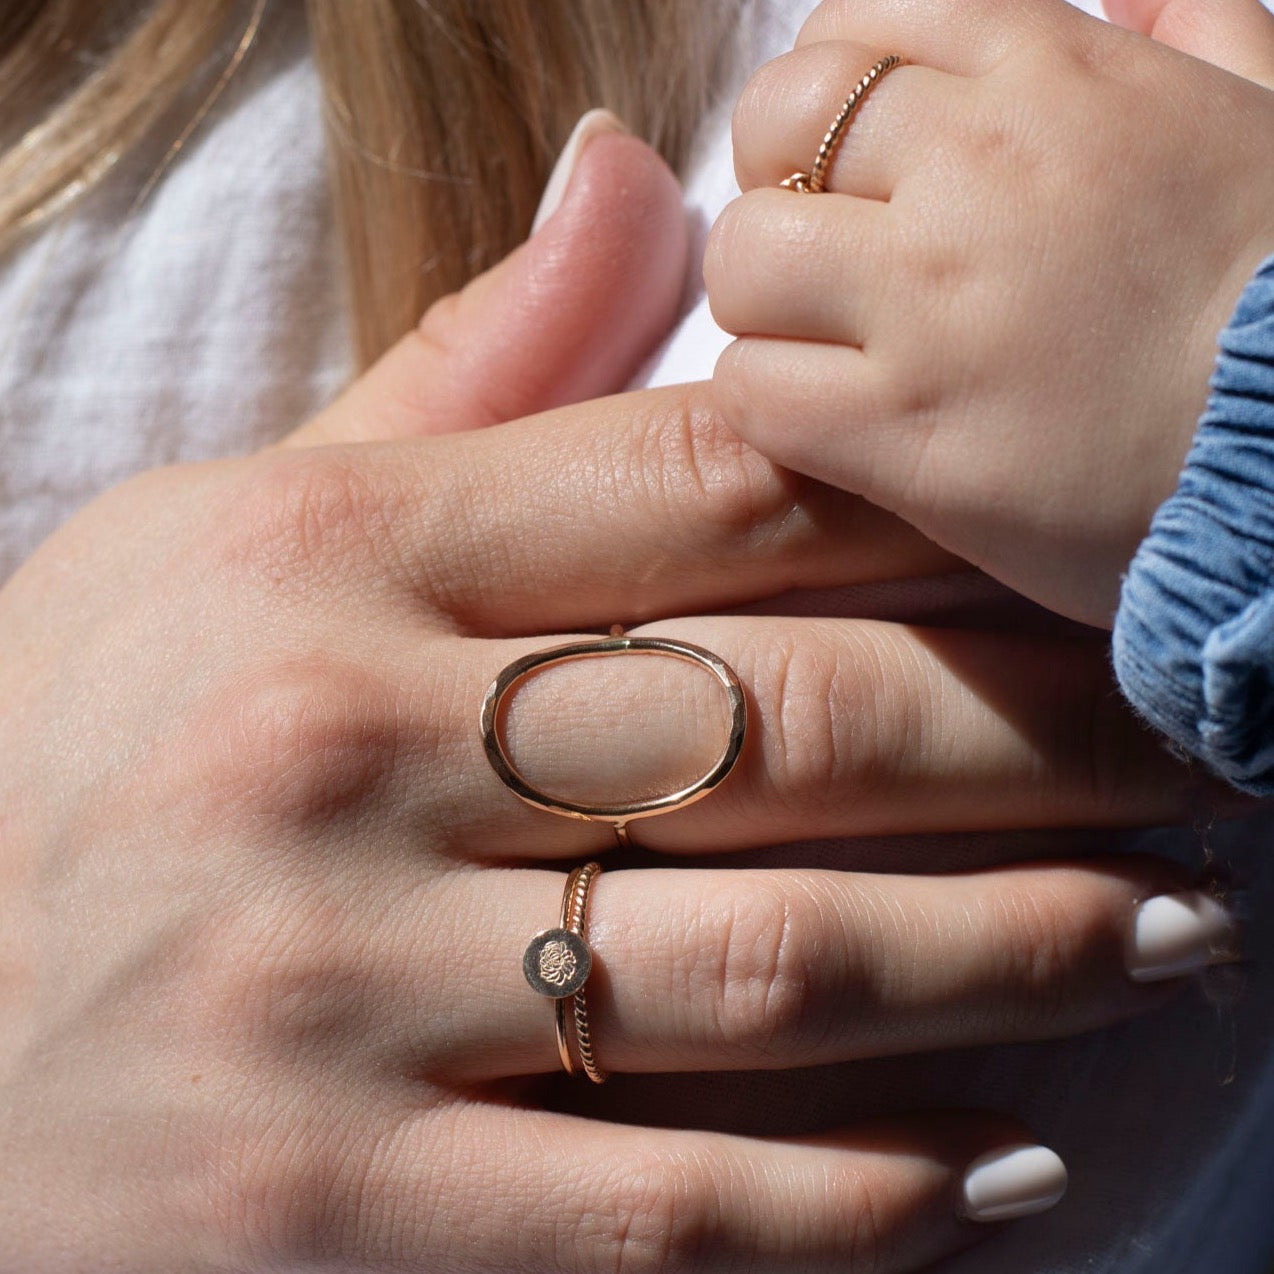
x=1193 y=644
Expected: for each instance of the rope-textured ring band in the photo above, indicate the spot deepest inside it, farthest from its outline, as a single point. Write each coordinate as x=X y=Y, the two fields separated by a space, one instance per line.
x=814 y=181
x=557 y=963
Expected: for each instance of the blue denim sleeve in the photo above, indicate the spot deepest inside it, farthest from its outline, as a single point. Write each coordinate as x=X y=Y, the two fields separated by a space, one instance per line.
x=1193 y=644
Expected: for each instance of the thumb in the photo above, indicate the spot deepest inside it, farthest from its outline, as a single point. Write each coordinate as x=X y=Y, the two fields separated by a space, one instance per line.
x=571 y=314
x=1236 y=35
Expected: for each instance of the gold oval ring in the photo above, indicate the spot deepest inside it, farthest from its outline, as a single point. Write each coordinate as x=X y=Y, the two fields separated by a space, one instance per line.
x=618 y=816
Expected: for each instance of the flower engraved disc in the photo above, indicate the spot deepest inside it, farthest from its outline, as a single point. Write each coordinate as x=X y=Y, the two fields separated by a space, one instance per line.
x=557 y=963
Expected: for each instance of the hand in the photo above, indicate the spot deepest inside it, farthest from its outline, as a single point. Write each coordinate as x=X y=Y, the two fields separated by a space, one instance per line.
x=260 y=996
x=1001 y=323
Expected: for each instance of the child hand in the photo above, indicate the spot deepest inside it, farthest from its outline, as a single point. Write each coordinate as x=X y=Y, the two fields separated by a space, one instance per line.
x=1001 y=322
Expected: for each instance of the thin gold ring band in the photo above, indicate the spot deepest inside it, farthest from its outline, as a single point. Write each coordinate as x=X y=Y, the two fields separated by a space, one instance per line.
x=814 y=181
x=618 y=816
x=558 y=962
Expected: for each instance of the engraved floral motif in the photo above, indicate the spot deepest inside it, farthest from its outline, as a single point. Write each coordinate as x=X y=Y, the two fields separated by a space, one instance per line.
x=557 y=963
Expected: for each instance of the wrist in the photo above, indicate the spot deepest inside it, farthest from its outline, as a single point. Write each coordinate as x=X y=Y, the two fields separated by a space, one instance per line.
x=1193 y=643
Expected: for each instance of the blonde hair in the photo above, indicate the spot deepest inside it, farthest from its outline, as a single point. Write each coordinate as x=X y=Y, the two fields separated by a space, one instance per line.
x=443 y=116
x=76 y=125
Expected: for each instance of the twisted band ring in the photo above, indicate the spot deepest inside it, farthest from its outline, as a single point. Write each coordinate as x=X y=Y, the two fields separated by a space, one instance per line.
x=557 y=963
x=814 y=181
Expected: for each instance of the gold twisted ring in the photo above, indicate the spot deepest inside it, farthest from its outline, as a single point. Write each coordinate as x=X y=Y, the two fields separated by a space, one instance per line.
x=814 y=181
x=557 y=963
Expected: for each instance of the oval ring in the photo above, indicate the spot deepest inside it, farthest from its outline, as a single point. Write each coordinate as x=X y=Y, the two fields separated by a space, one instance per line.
x=616 y=644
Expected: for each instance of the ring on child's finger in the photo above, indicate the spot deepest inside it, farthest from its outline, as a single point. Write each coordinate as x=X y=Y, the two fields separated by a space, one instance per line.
x=557 y=963
x=814 y=181
x=619 y=815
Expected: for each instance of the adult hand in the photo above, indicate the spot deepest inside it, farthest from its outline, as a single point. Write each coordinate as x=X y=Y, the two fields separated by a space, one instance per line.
x=261 y=1003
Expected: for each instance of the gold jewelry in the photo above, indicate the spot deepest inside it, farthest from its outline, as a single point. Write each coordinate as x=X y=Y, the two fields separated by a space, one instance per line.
x=557 y=963
x=618 y=816
x=812 y=182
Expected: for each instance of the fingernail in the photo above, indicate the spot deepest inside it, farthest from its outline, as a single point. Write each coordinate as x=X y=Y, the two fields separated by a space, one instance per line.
x=1011 y=1182
x=1176 y=934
x=591 y=124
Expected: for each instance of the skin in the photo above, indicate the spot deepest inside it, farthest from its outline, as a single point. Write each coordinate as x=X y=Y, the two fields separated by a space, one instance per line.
x=260 y=998
x=1003 y=318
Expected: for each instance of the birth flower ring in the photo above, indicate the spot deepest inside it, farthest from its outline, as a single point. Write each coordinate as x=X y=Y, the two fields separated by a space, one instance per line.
x=557 y=963
x=618 y=816
x=814 y=181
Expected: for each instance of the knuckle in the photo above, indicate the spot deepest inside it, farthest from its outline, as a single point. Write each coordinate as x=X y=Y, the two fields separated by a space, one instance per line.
x=742 y=282
x=752 y=387
x=765 y=991
x=733 y=379
x=435 y=331
x=831 y=20
x=1074 y=56
x=848 y=712
x=1006 y=143
x=707 y=484
x=302 y=740
x=1044 y=934
x=303 y=513
x=938 y=269
x=897 y=693
x=280 y=976
x=658 y=1215
x=989 y=138
x=488 y=400
x=918 y=403
x=865 y=1241
x=274 y=1180
x=762 y=249
x=720 y=254
x=284 y=1197
x=752 y=111
x=824 y=702
x=748 y=107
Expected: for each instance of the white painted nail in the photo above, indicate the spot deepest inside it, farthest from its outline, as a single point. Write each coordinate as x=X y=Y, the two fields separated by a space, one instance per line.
x=1013 y=1181
x=1176 y=934
x=591 y=124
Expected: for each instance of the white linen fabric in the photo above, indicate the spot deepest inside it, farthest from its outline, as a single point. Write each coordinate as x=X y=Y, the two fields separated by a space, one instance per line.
x=204 y=324
x=210 y=321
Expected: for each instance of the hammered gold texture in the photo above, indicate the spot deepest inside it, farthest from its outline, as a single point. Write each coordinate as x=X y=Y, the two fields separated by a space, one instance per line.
x=618 y=643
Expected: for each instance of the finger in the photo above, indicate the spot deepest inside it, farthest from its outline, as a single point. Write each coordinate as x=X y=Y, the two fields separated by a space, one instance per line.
x=963 y=37
x=788 y=105
x=581 y=1196
x=861 y=424
x=808 y=268
x=569 y=315
x=772 y=969
x=854 y=728
x=610 y=512
x=1236 y=35
x=884 y=428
